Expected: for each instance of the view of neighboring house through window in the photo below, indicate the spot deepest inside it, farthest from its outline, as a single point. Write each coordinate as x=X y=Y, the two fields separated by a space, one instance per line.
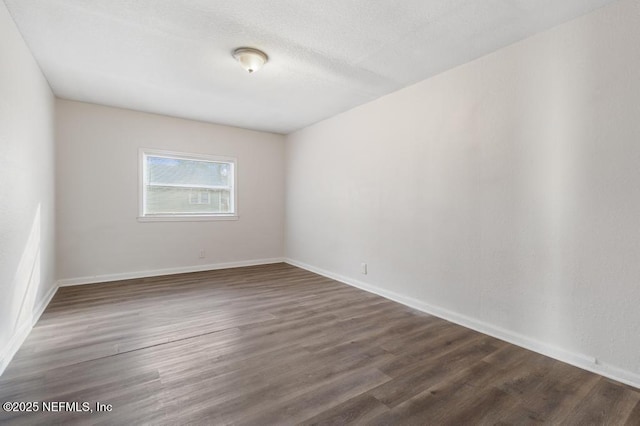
x=201 y=196
x=186 y=185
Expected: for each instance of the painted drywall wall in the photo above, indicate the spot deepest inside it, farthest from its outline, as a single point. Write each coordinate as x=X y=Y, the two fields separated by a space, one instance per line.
x=504 y=193
x=27 y=273
x=100 y=237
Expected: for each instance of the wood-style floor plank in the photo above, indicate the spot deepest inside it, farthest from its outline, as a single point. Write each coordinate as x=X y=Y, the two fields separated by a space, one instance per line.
x=275 y=344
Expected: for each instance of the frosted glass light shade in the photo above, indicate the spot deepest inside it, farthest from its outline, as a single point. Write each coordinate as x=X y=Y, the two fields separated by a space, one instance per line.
x=250 y=59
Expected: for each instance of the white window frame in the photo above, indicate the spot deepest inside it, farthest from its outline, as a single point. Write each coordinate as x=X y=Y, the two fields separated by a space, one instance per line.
x=184 y=217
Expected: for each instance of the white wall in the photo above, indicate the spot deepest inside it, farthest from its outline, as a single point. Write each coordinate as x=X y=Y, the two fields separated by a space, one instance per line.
x=27 y=272
x=100 y=237
x=503 y=194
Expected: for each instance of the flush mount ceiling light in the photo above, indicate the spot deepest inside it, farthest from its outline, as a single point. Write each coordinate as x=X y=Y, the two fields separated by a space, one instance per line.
x=250 y=59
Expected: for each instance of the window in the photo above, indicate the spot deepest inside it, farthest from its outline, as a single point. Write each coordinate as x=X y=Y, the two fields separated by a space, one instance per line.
x=200 y=197
x=178 y=186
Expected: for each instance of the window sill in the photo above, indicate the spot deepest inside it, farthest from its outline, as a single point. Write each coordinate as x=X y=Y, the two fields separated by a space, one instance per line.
x=176 y=218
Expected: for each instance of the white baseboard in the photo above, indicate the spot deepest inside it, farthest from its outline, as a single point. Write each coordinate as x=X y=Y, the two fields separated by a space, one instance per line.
x=93 y=279
x=8 y=352
x=578 y=360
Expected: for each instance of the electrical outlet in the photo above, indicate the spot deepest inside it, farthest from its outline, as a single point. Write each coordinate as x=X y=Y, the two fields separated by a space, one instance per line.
x=363 y=268
x=202 y=254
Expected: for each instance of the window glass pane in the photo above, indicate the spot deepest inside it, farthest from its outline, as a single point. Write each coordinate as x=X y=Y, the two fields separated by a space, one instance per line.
x=204 y=197
x=191 y=173
x=175 y=186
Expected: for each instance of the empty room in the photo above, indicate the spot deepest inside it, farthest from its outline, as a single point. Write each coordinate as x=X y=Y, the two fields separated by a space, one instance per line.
x=284 y=212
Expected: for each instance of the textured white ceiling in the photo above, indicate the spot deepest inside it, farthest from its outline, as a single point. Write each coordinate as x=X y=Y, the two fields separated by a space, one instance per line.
x=173 y=57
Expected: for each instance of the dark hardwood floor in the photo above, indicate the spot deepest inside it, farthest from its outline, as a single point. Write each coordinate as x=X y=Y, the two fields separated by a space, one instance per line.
x=279 y=345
